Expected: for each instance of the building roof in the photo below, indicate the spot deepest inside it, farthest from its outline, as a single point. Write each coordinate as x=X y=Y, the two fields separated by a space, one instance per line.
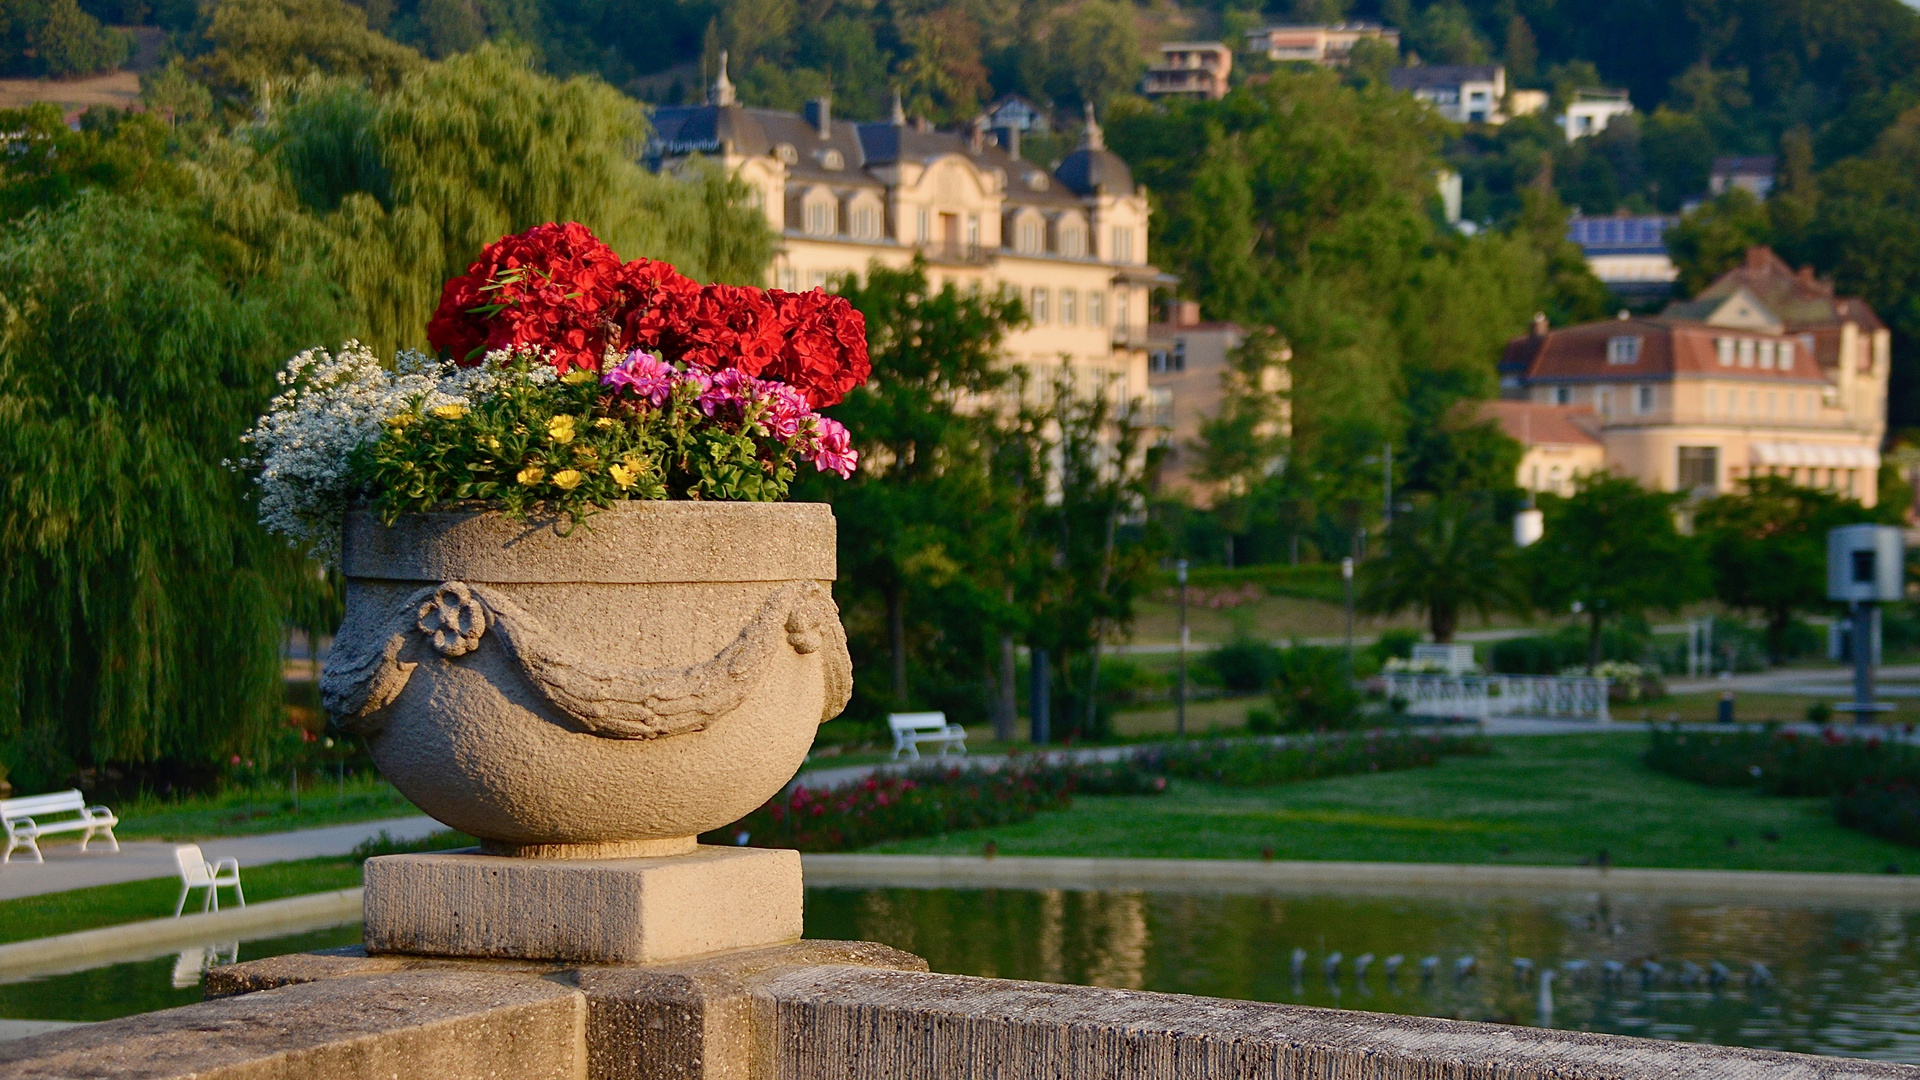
x=1532 y=423
x=1801 y=300
x=1620 y=234
x=1432 y=75
x=1762 y=165
x=1668 y=347
x=712 y=129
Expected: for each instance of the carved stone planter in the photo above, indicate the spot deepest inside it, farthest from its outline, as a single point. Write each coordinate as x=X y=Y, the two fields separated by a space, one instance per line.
x=610 y=693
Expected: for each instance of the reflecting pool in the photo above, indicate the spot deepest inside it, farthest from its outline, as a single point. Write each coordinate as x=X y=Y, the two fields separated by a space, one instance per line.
x=1839 y=978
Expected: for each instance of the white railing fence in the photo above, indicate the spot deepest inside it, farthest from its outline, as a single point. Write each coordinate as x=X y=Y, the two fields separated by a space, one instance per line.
x=1477 y=697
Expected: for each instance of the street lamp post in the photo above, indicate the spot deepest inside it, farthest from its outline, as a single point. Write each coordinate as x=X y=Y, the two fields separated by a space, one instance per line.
x=1346 y=578
x=1180 y=702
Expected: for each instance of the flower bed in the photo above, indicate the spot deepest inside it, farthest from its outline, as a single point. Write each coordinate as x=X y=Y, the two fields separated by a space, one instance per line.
x=1889 y=809
x=565 y=380
x=1256 y=763
x=1779 y=762
x=926 y=802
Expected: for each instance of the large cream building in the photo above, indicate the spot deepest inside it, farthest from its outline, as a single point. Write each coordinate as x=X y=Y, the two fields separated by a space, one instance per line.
x=842 y=195
x=1766 y=373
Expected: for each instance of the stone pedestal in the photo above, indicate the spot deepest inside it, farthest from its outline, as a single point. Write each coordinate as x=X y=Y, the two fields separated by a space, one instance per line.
x=602 y=911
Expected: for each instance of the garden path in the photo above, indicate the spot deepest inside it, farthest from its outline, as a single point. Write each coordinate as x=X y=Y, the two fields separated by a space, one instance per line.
x=138 y=860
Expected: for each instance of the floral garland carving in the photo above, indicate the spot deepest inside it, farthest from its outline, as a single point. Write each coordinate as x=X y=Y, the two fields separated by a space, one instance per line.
x=365 y=673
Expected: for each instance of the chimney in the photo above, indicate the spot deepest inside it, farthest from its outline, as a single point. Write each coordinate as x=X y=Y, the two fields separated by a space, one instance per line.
x=1186 y=313
x=978 y=139
x=1011 y=140
x=1758 y=257
x=820 y=115
x=920 y=124
x=1539 y=324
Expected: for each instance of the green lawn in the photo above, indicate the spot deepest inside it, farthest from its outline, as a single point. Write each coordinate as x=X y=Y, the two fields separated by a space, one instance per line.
x=108 y=905
x=260 y=810
x=1540 y=800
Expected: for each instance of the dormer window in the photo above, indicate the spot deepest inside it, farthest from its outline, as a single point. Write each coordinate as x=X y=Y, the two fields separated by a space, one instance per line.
x=1725 y=348
x=1744 y=351
x=787 y=154
x=1767 y=354
x=1786 y=356
x=1623 y=349
x=832 y=160
x=1028 y=236
x=1073 y=239
x=1037 y=180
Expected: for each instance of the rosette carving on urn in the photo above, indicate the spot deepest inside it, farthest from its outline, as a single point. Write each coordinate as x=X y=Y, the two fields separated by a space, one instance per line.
x=365 y=672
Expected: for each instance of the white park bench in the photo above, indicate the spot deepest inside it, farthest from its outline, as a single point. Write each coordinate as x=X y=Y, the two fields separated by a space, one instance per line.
x=910 y=729
x=35 y=816
x=196 y=872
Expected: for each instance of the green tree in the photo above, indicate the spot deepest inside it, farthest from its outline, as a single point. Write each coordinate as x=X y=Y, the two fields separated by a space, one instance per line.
x=55 y=38
x=1766 y=548
x=921 y=584
x=1446 y=555
x=141 y=613
x=1713 y=239
x=50 y=163
x=1612 y=551
x=254 y=45
x=400 y=193
x=1095 y=53
x=1246 y=441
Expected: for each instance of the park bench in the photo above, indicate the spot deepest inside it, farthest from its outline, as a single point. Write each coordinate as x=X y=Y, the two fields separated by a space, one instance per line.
x=35 y=816
x=910 y=729
x=196 y=872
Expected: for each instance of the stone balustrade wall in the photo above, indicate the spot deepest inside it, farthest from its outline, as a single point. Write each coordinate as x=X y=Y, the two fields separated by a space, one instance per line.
x=812 y=1011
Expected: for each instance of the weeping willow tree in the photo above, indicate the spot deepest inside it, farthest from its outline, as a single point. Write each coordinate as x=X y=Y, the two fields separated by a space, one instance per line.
x=141 y=610
x=401 y=192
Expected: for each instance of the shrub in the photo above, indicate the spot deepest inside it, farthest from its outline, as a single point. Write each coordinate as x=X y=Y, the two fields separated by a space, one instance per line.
x=927 y=802
x=1262 y=720
x=1394 y=645
x=1311 y=690
x=1243 y=665
x=1257 y=762
x=1889 y=809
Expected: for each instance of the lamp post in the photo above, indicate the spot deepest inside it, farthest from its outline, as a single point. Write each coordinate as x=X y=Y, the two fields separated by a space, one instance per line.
x=1346 y=578
x=1180 y=701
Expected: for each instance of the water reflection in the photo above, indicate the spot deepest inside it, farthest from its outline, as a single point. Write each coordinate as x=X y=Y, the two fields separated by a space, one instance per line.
x=1824 y=981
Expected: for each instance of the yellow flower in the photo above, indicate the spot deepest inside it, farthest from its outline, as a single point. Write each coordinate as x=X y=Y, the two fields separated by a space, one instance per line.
x=622 y=475
x=493 y=443
x=567 y=479
x=604 y=423
x=577 y=376
x=531 y=475
x=450 y=412
x=560 y=429
x=400 y=421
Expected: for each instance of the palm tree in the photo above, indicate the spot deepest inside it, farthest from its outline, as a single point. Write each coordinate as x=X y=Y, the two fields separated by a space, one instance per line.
x=1447 y=554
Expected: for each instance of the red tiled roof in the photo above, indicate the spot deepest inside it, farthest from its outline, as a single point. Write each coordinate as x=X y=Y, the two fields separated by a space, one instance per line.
x=1667 y=348
x=1800 y=300
x=1532 y=423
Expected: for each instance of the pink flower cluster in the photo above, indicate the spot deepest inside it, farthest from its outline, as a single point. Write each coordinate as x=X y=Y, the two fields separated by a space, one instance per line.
x=730 y=395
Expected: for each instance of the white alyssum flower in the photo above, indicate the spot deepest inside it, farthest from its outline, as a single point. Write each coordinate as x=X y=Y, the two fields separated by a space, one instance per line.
x=332 y=404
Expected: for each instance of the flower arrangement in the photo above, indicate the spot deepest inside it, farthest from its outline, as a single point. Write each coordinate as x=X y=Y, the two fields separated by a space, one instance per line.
x=565 y=379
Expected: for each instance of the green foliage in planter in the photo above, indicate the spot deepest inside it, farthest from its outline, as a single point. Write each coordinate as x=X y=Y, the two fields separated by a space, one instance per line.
x=1259 y=762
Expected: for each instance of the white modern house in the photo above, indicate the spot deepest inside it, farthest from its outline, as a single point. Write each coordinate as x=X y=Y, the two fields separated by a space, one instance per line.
x=1327 y=46
x=1464 y=93
x=1592 y=110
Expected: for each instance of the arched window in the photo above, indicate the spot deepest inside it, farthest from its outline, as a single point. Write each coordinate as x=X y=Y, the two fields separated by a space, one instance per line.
x=1073 y=238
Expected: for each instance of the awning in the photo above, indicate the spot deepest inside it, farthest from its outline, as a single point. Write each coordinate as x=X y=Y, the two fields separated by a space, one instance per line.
x=1813 y=455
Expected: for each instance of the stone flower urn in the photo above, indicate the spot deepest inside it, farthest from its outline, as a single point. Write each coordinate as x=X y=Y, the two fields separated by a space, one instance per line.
x=656 y=671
